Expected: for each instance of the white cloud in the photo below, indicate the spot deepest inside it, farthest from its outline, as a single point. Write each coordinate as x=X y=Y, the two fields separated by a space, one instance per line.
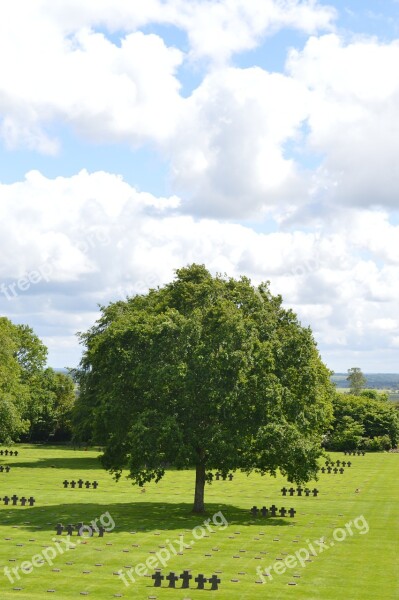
x=101 y=250
x=59 y=69
x=352 y=120
x=228 y=156
x=215 y=28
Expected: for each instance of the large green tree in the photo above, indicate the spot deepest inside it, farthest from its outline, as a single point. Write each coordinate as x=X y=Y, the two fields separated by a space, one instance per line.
x=206 y=372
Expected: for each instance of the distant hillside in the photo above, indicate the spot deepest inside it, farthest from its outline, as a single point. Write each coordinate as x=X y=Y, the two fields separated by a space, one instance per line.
x=377 y=381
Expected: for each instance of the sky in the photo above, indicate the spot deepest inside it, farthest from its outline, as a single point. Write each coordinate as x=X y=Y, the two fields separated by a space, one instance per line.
x=257 y=137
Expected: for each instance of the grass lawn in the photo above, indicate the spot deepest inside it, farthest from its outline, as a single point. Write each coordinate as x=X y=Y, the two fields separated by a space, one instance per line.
x=349 y=566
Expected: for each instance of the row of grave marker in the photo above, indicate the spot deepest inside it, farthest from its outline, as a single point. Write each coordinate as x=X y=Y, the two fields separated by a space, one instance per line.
x=343 y=463
x=14 y=499
x=80 y=484
x=272 y=511
x=299 y=491
x=334 y=470
x=219 y=476
x=355 y=453
x=8 y=453
x=200 y=580
x=78 y=528
x=7 y=469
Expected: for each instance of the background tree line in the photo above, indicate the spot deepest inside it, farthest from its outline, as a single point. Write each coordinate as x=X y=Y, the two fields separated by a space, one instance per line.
x=36 y=402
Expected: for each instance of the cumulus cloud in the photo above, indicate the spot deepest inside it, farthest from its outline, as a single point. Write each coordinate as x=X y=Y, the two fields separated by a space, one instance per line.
x=353 y=116
x=60 y=68
x=229 y=156
x=86 y=250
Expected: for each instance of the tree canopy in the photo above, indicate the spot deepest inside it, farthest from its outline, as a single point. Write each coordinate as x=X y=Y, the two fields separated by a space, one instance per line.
x=205 y=372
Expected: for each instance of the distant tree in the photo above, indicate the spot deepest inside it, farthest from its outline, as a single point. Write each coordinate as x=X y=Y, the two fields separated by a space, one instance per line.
x=356 y=379
x=362 y=422
x=35 y=402
x=49 y=407
x=206 y=372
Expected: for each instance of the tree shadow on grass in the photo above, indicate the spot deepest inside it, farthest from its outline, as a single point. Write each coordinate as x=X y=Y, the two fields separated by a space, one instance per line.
x=134 y=516
x=76 y=463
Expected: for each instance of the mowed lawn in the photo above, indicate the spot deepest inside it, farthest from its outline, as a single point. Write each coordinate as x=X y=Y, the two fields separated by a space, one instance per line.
x=358 y=566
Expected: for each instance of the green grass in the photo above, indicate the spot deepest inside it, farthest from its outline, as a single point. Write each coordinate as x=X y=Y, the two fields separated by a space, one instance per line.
x=359 y=567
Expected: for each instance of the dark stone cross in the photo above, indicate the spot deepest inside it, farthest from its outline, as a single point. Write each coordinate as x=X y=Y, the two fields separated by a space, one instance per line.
x=31 y=501
x=16 y=453
x=264 y=511
x=343 y=463
x=338 y=463
x=95 y=484
x=292 y=512
x=101 y=532
x=172 y=578
x=79 y=527
x=254 y=511
x=201 y=580
x=335 y=470
x=224 y=477
x=217 y=476
x=1 y=468
x=7 y=469
x=283 y=511
x=329 y=470
x=307 y=492
x=315 y=492
x=284 y=491
x=11 y=452
x=273 y=510
x=363 y=453
x=231 y=476
x=59 y=528
x=349 y=463
x=65 y=483
x=73 y=484
x=1 y=452
x=291 y=491
x=87 y=484
x=69 y=529
x=323 y=470
x=80 y=483
x=6 y=500
x=214 y=580
x=327 y=463
x=23 y=501
x=6 y=452
x=341 y=470
x=14 y=499
x=157 y=577
x=185 y=577
x=299 y=491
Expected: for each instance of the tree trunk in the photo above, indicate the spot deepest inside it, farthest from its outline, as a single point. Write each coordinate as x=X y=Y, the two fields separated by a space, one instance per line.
x=199 y=506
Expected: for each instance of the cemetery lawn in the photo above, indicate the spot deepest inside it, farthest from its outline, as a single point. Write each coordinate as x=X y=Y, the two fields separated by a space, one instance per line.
x=362 y=566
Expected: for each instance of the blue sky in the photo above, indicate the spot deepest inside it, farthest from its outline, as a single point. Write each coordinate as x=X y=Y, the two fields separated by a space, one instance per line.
x=258 y=137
